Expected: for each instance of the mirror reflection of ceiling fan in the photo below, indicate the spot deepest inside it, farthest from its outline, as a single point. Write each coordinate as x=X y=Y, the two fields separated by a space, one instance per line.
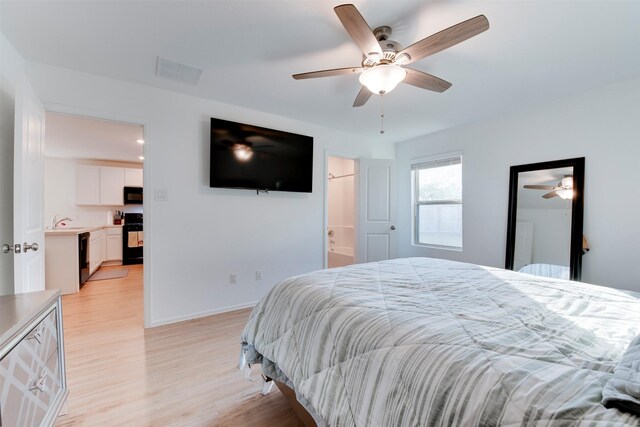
x=384 y=60
x=564 y=189
x=244 y=148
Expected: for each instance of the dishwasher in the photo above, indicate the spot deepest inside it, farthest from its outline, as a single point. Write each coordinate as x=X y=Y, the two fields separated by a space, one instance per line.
x=83 y=257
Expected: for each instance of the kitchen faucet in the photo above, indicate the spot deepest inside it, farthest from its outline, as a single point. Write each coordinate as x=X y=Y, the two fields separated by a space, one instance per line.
x=55 y=222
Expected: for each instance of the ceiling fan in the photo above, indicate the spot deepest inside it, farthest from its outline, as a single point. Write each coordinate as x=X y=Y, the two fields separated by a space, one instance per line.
x=564 y=189
x=384 y=60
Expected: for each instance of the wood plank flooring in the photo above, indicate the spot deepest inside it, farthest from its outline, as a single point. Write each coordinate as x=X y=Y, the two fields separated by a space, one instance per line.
x=185 y=374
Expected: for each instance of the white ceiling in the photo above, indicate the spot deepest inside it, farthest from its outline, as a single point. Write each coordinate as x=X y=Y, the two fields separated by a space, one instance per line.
x=534 y=52
x=82 y=138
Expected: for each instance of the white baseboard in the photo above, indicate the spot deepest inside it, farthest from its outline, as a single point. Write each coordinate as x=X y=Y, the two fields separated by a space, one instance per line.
x=205 y=313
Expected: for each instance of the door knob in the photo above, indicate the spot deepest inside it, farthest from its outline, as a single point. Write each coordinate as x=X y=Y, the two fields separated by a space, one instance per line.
x=33 y=246
x=393 y=227
x=8 y=248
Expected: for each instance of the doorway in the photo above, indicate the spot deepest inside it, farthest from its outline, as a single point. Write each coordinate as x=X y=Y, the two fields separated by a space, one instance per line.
x=341 y=211
x=91 y=169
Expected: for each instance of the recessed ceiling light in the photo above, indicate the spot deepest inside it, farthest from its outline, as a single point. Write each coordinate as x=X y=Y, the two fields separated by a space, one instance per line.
x=141 y=157
x=140 y=141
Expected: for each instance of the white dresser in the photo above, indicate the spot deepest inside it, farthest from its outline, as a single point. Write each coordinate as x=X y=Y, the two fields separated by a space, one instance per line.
x=32 y=372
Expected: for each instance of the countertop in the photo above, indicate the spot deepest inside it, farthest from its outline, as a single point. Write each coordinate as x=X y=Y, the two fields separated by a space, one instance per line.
x=70 y=231
x=18 y=310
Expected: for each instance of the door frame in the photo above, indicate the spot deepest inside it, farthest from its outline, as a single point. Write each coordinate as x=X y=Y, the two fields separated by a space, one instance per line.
x=146 y=171
x=356 y=179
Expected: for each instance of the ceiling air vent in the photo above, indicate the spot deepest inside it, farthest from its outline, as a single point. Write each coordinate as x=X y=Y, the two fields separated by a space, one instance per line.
x=178 y=72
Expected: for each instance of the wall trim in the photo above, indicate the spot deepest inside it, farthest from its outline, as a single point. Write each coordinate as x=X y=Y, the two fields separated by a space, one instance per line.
x=200 y=314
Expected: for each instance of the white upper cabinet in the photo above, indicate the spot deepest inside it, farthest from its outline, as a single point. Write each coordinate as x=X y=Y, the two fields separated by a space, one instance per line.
x=111 y=185
x=100 y=185
x=87 y=185
x=133 y=177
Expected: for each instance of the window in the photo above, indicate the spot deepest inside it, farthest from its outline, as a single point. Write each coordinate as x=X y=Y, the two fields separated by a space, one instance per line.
x=437 y=200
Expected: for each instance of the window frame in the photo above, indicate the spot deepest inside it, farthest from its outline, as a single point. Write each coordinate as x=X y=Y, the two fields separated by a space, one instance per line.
x=429 y=163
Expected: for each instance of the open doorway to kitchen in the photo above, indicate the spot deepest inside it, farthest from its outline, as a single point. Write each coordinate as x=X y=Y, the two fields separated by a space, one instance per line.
x=93 y=202
x=341 y=211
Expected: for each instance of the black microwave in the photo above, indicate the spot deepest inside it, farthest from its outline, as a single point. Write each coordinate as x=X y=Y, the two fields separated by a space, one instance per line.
x=132 y=195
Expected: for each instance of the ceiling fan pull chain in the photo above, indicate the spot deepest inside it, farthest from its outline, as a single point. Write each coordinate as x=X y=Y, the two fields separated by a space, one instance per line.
x=381 y=113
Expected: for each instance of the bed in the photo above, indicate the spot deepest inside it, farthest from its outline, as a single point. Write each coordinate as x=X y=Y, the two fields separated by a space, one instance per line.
x=426 y=342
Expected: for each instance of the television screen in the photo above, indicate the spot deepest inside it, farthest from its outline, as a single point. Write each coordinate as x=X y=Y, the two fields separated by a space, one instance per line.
x=257 y=158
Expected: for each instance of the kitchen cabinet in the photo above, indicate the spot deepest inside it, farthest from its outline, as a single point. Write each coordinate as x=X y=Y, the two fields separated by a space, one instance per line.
x=62 y=262
x=32 y=368
x=87 y=185
x=62 y=266
x=133 y=177
x=102 y=185
x=114 y=244
x=111 y=185
x=97 y=249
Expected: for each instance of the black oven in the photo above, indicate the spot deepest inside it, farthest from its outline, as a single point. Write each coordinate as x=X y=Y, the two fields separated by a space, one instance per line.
x=132 y=239
x=132 y=195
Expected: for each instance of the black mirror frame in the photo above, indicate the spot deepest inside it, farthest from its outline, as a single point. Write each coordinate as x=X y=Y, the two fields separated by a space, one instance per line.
x=577 y=210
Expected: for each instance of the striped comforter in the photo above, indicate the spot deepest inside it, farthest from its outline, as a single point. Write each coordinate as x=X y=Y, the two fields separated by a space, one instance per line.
x=426 y=342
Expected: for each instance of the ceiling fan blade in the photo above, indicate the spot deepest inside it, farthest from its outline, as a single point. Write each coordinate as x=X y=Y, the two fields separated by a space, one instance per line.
x=550 y=195
x=358 y=29
x=328 y=73
x=362 y=97
x=445 y=39
x=426 y=81
x=540 y=187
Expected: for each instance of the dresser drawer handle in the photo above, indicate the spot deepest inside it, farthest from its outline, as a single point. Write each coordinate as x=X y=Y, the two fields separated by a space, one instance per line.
x=40 y=384
x=37 y=334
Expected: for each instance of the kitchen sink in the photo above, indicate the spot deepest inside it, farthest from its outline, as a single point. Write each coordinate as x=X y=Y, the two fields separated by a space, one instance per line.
x=65 y=228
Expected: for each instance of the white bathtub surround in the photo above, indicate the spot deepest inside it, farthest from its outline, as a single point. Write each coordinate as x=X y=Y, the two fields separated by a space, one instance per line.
x=340 y=256
x=341 y=211
x=343 y=237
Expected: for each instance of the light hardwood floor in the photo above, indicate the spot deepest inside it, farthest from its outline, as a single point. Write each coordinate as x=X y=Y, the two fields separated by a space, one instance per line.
x=185 y=374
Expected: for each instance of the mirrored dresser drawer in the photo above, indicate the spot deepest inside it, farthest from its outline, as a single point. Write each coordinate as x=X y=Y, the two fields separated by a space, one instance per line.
x=32 y=375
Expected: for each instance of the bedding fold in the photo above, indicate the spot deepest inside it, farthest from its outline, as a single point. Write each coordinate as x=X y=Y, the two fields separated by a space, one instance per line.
x=623 y=390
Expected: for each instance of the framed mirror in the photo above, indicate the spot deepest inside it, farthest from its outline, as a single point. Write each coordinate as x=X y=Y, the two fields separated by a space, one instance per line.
x=544 y=226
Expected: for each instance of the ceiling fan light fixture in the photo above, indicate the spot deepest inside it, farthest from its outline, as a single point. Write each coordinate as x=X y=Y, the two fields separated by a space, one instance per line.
x=565 y=194
x=382 y=78
x=567 y=182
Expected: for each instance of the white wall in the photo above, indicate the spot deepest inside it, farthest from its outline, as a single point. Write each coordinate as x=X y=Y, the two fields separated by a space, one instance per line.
x=200 y=235
x=11 y=71
x=601 y=125
x=60 y=193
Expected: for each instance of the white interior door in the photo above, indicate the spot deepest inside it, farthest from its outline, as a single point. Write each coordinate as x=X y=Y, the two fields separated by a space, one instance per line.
x=377 y=239
x=28 y=185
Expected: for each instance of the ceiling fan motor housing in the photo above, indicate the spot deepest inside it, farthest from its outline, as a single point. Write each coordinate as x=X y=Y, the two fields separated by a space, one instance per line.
x=390 y=48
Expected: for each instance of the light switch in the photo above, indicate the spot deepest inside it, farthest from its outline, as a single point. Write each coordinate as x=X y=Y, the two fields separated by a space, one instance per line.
x=161 y=195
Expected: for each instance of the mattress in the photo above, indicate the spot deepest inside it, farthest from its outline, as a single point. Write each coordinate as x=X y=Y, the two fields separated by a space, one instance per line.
x=427 y=342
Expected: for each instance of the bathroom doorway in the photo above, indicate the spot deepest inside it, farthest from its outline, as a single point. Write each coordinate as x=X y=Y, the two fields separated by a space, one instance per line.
x=341 y=211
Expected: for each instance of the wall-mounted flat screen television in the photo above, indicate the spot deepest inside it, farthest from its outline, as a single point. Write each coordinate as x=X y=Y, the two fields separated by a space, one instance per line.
x=257 y=158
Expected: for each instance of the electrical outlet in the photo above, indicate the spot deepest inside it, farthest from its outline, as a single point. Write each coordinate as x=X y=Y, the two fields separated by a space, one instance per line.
x=233 y=278
x=258 y=274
